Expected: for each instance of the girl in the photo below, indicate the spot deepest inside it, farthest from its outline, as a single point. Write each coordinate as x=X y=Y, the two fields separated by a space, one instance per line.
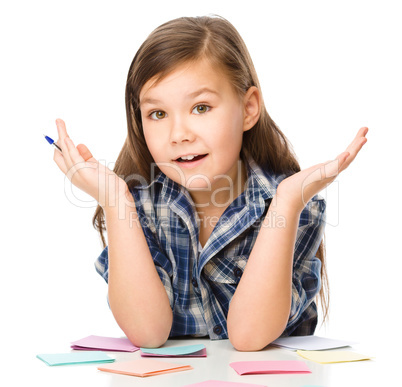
x=212 y=228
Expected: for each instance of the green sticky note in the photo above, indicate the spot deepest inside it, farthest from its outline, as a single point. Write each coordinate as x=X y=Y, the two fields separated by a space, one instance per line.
x=174 y=351
x=54 y=359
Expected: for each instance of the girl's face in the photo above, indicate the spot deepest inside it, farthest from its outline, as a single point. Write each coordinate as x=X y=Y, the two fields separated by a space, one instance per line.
x=193 y=123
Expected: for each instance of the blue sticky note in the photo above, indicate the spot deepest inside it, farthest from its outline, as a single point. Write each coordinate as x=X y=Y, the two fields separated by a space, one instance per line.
x=53 y=359
x=174 y=351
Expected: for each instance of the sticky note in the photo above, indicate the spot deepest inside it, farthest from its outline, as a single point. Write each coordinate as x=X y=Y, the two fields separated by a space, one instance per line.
x=144 y=367
x=197 y=350
x=310 y=343
x=92 y=342
x=325 y=357
x=270 y=367
x=219 y=383
x=53 y=359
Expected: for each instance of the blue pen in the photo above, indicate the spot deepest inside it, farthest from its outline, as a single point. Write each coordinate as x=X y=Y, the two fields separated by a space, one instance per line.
x=51 y=142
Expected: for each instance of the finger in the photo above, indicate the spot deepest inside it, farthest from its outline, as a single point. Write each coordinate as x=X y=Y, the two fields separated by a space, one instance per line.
x=354 y=149
x=59 y=160
x=358 y=141
x=61 y=129
x=85 y=152
x=73 y=152
x=362 y=131
x=77 y=160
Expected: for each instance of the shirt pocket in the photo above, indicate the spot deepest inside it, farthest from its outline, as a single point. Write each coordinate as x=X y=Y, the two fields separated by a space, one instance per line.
x=226 y=270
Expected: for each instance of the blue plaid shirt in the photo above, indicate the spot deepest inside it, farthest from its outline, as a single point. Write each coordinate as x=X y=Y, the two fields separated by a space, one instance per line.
x=201 y=282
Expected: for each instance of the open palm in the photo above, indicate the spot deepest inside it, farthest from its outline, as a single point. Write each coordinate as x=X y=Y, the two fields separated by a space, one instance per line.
x=298 y=189
x=85 y=172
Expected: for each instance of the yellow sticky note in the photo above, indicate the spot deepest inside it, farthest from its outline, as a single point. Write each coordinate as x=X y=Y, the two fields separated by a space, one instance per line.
x=325 y=357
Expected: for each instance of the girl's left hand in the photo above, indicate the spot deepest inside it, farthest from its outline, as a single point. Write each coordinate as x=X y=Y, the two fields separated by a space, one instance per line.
x=296 y=190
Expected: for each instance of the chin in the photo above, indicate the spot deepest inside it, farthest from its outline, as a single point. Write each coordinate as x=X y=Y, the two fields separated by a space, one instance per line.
x=199 y=184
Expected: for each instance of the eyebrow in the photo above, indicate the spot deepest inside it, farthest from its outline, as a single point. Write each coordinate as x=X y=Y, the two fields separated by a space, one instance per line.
x=195 y=94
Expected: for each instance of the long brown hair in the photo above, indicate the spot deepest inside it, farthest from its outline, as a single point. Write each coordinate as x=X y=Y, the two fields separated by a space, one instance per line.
x=189 y=39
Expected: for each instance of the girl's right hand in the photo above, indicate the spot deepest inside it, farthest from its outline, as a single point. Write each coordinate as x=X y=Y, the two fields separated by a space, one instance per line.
x=86 y=173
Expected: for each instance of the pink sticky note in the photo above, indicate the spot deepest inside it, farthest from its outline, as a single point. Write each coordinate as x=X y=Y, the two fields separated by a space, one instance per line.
x=270 y=367
x=219 y=383
x=145 y=367
x=92 y=343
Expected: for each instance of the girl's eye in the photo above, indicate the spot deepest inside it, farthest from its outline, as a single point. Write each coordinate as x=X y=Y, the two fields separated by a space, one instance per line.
x=200 y=109
x=158 y=115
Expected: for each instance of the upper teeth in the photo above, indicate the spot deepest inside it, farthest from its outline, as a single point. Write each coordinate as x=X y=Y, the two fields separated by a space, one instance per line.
x=189 y=157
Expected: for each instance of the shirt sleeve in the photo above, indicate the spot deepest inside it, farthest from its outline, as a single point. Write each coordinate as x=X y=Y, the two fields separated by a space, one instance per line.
x=162 y=263
x=306 y=281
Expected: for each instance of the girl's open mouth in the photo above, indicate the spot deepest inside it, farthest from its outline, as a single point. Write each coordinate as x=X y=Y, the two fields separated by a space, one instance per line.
x=190 y=158
x=190 y=161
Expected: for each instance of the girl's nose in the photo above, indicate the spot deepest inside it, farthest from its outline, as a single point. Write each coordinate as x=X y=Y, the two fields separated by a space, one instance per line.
x=180 y=132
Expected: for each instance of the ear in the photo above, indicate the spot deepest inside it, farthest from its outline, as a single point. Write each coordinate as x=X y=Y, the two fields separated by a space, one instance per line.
x=252 y=107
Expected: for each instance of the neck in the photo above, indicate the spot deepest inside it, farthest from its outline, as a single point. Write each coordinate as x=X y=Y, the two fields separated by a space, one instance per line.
x=223 y=191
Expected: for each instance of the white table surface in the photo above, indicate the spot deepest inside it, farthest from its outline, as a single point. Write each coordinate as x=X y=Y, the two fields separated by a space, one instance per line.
x=215 y=366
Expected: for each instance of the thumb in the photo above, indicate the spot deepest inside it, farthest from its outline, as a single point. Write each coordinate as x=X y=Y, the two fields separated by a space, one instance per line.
x=85 y=152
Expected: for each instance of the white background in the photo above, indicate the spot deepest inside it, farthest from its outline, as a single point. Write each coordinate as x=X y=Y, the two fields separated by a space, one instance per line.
x=326 y=69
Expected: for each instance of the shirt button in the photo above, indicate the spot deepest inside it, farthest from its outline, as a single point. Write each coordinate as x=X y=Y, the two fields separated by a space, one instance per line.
x=194 y=282
x=238 y=272
x=217 y=329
